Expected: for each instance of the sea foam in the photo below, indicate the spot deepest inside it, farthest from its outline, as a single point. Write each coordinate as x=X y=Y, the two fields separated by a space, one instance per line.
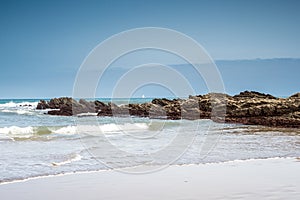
x=73 y=158
x=29 y=131
x=21 y=104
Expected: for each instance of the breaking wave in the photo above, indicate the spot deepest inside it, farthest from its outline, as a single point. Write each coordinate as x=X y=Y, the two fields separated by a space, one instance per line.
x=15 y=132
x=12 y=104
x=73 y=158
x=22 y=108
x=19 y=112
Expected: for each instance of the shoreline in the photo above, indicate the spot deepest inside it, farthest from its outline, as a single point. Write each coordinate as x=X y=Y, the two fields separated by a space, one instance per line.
x=250 y=179
x=163 y=168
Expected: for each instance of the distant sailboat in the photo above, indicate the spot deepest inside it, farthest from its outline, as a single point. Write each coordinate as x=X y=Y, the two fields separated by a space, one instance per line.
x=143 y=96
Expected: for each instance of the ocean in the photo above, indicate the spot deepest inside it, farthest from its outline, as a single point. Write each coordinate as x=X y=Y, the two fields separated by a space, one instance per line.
x=34 y=144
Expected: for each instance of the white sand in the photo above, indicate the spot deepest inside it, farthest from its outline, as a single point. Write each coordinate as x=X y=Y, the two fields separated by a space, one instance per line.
x=252 y=179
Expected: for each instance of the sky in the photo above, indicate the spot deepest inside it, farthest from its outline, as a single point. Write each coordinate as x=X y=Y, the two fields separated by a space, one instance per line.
x=43 y=43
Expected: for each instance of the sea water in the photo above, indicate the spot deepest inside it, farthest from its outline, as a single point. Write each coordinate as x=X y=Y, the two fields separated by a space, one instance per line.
x=34 y=144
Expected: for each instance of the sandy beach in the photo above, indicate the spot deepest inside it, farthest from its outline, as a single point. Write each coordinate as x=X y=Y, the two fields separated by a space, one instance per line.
x=275 y=178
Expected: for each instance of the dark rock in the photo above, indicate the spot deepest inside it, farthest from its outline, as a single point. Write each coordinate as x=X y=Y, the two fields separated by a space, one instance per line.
x=57 y=103
x=214 y=95
x=297 y=95
x=157 y=111
x=99 y=105
x=267 y=121
x=141 y=110
x=67 y=106
x=42 y=105
x=163 y=101
x=173 y=111
x=105 y=110
x=65 y=110
x=253 y=94
x=246 y=108
x=88 y=106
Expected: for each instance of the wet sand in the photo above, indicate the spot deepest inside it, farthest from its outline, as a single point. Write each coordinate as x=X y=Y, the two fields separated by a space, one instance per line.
x=252 y=179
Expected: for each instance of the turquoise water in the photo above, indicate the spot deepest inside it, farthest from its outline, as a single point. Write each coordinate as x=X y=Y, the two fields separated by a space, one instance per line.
x=33 y=143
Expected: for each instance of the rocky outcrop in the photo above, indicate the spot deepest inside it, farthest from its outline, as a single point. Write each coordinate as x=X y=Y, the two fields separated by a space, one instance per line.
x=245 y=108
x=253 y=94
x=67 y=106
x=297 y=95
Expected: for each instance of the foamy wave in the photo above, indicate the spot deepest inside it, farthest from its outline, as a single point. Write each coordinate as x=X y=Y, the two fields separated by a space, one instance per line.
x=22 y=104
x=42 y=130
x=74 y=158
x=19 y=112
x=15 y=132
x=86 y=114
x=95 y=130
x=23 y=108
x=29 y=131
x=21 y=132
x=123 y=127
x=70 y=130
x=131 y=127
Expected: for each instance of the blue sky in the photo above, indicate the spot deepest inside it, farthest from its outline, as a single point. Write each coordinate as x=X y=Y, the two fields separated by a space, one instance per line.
x=43 y=43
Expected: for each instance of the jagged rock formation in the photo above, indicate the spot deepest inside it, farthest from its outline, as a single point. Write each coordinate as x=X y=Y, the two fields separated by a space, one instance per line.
x=245 y=108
